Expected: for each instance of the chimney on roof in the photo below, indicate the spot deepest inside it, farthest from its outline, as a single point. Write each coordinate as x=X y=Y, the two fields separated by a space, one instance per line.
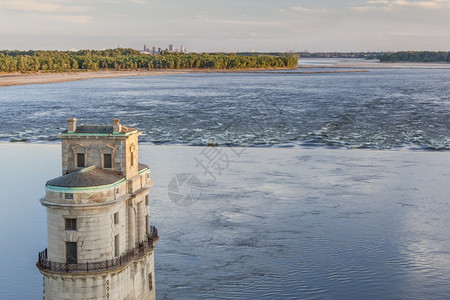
x=116 y=126
x=71 y=125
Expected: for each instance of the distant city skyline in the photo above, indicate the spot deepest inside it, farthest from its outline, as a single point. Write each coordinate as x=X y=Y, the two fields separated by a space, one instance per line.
x=227 y=26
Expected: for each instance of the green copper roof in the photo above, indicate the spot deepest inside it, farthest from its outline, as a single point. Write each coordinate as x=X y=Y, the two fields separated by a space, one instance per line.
x=91 y=178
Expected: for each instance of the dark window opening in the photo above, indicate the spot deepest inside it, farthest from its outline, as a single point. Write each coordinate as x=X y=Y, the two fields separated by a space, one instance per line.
x=116 y=246
x=107 y=161
x=80 y=160
x=68 y=196
x=150 y=281
x=71 y=253
x=146 y=200
x=147 y=224
x=116 y=218
x=71 y=224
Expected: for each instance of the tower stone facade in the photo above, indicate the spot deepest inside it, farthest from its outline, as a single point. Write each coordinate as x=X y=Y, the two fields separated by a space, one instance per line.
x=100 y=242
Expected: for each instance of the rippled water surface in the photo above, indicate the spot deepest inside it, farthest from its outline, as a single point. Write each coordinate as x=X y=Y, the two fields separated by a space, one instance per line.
x=277 y=224
x=381 y=109
x=293 y=221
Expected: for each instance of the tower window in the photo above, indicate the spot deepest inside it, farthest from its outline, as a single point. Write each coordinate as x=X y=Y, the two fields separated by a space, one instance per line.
x=150 y=281
x=116 y=246
x=146 y=200
x=132 y=158
x=116 y=218
x=107 y=161
x=68 y=196
x=71 y=224
x=71 y=253
x=80 y=160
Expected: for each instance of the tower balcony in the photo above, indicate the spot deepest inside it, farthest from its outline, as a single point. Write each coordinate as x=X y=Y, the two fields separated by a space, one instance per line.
x=106 y=265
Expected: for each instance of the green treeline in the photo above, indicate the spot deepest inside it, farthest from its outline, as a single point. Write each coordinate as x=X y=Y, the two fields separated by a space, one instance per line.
x=416 y=56
x=130 y=59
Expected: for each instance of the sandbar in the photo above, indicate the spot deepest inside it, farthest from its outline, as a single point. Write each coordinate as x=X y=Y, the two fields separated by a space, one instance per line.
x=40 y=78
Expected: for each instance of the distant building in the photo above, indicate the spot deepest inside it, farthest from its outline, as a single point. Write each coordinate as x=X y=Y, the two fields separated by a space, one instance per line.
x=146 y=48
x=171 y=48
x=154 y=50
x=182 y=49
x=100 y=242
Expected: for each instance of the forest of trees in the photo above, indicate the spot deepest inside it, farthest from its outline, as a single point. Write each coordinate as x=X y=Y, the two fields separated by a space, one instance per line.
x=130 y=59
x=416 y=56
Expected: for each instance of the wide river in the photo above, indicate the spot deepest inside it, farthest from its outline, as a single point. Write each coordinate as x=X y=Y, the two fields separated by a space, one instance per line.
x=380 y=109
x=343 y=192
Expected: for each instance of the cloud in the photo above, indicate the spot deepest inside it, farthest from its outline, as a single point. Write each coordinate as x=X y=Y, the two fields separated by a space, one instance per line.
x=391 y=5
x=311 y=10
x=45 y=6
x=422 y=4
x=124 y=1
x=71 y=19
x=236 y=22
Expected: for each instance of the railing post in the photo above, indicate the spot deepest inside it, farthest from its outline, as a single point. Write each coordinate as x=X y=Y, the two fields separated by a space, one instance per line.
x=87 y=267
x=106 y=264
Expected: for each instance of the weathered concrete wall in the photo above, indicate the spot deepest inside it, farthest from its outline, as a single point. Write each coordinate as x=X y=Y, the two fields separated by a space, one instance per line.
x=96 y=228
x=123 y=149
x=94 y=234
x=102 y=213
x=129 y=282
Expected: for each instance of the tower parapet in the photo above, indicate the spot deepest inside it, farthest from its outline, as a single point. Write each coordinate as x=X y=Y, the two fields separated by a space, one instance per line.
x=98 y=223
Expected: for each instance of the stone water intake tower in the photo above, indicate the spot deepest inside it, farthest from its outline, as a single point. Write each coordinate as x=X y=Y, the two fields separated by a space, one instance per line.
x=100 y=242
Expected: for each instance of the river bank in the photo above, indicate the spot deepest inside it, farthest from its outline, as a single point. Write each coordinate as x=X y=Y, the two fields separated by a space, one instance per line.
x=10 y=79
x=40 y=78
x=350 y=63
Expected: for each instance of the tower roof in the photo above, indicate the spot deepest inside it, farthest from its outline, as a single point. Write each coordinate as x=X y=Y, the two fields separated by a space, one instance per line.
x=116 y=128
x=90 y=177
x=87 y=177
x=108 y=129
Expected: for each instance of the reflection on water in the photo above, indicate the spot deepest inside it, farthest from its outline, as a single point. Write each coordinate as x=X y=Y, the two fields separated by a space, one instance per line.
x=308 y=224
x=279 y=223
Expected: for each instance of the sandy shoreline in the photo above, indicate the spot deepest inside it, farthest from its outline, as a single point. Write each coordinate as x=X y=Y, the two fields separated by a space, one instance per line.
x=10 y=79
x=40 y=78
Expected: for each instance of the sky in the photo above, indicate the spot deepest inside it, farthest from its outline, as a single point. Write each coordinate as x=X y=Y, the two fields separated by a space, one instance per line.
x=227 y=25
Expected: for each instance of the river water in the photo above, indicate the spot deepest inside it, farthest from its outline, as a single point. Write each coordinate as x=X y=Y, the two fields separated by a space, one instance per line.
x=380 y=109
x=347 y=203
